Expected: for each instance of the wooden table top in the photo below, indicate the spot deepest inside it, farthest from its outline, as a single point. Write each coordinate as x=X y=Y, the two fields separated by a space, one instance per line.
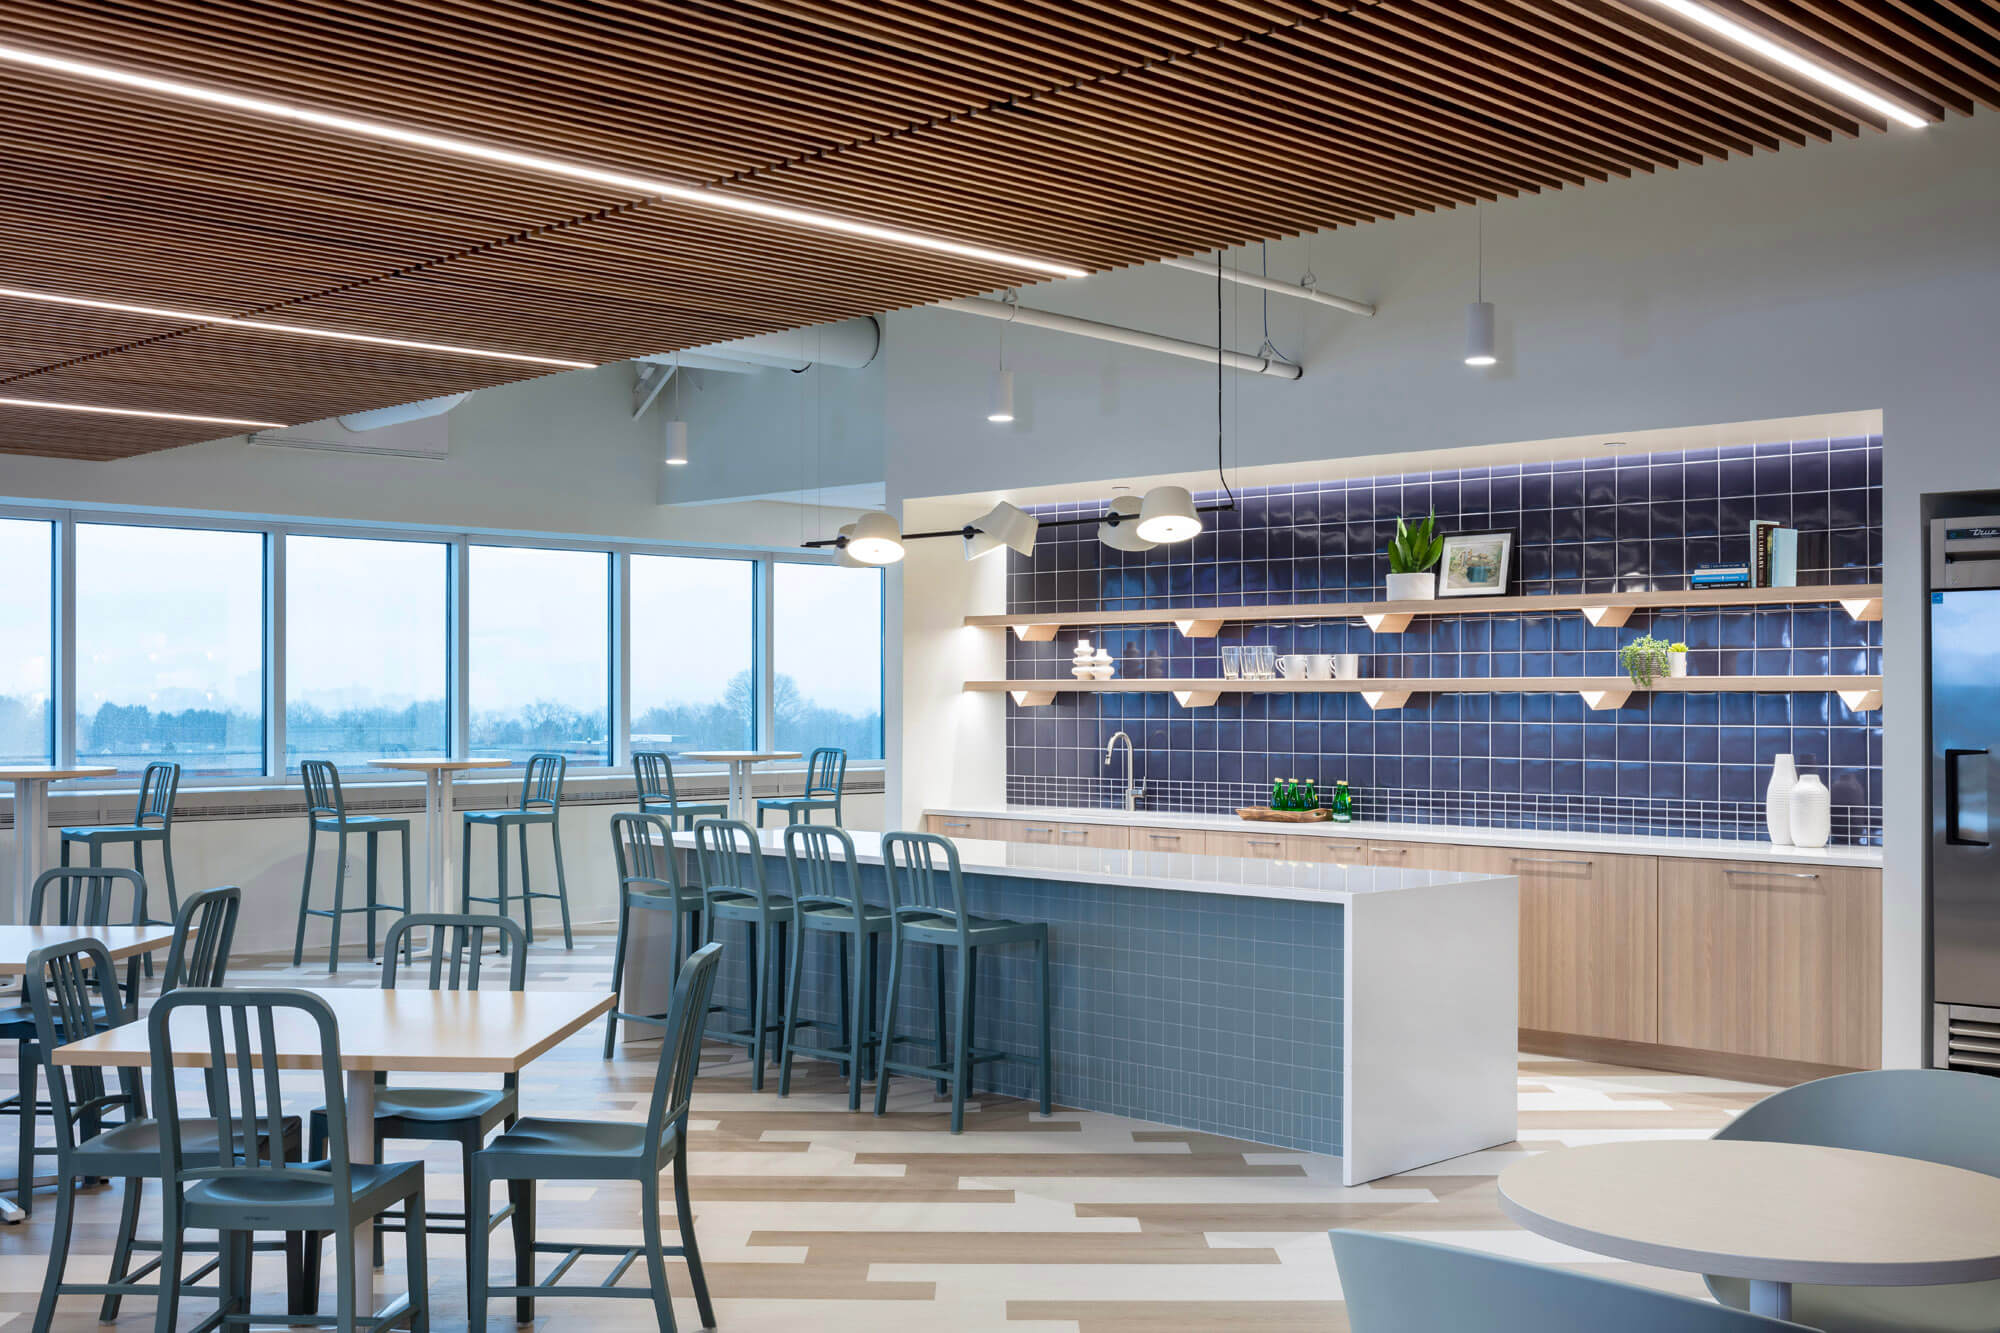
x=1775 y=1212
x=738 y=756
x=43 y=772
x=423 y=765
x=465 y=1032
x=17 y=942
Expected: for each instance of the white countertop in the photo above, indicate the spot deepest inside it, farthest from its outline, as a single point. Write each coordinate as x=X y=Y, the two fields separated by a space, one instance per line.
x=1721 y=849
x=1175 y=872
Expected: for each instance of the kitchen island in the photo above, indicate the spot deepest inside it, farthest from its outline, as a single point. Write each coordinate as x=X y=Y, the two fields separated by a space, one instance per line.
x=1361 y=1011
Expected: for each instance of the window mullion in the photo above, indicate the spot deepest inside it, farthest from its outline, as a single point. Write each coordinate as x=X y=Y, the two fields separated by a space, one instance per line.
x=274 y=654
x=620 y=702
x=62 y=683
x=763 y=729
x=457 y=615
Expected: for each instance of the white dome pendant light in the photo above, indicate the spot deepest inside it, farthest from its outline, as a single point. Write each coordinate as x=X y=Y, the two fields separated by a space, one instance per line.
x=873 y=539
x=1479 y=314
x=1004 y=527
x=1120 y=528
x=1168 y=515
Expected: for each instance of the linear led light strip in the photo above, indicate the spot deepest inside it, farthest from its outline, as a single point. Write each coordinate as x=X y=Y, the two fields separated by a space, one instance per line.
x=196 y=317
x=138 y=412
x=701 y=197
x=1792 y=60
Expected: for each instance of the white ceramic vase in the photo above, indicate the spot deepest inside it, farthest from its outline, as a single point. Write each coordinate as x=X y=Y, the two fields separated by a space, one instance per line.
x=1778 y=800
x=1413 y=587
x=1812 y=812
x=1677 y=664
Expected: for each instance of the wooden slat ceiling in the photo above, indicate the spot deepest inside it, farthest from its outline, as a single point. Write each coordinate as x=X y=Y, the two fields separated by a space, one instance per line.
x=1097 y=133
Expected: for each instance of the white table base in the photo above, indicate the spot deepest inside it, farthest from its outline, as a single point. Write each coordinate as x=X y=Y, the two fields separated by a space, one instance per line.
x=739 y=791
x=437 y=836
x=31 y=835
x=361 y=1148
x=1771 y=1298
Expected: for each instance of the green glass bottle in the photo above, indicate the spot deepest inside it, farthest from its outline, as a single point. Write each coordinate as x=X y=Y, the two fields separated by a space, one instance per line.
x=1343 y=803
x=1277 y=793
x=1310 y=795
x=1292 y=794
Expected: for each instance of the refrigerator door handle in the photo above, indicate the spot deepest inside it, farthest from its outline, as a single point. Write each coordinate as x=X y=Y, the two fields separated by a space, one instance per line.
x=1953 y=833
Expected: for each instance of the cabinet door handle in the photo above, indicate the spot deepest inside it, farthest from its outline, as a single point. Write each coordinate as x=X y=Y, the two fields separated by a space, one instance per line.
x=1552 y=861
x=956 y=823
x=1736 y=871
x=1074 y=833
x=1264 y=842
x=1392 y=851
x=1030 y=828
x=1164 y=837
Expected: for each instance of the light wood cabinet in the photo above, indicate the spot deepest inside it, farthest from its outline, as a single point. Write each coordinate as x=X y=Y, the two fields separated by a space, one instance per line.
x=958 y=826
x=1589 y=940
x=1188 y=840
x=1116 y=837
x=1325 y=850
x=1415 y=855
x=1269 y=846
x=1777 y=961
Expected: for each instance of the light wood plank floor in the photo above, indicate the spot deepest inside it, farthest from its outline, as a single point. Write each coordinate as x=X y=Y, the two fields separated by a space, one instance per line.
x=811 y=1218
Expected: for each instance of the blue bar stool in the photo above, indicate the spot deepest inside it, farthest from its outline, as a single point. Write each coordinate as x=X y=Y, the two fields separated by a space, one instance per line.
x=152 y=821
x=649 y=880
x=658 y=795
x=541 y=803
x=326 y=812
x=732 y=888
x=826 y=774
x=927 y=895
x=827 y=898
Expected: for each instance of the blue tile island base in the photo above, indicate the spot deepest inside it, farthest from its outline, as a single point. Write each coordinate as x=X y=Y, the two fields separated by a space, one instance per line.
x=1357 y=1011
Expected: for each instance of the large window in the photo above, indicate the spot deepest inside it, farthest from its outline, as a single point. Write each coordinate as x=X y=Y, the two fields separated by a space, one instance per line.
x=170 y=648
x=693 y=631
x=27 y=641
x=827 y=655
x=366 y=631
x=539 y=639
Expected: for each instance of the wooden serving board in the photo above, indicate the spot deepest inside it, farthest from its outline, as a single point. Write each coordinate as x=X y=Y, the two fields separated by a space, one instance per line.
x=1284 y=816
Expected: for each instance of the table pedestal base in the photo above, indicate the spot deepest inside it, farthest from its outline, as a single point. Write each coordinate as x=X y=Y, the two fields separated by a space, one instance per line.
x=1771 y=1298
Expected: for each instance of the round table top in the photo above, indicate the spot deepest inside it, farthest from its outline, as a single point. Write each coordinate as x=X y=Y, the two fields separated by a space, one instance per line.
x=1773 y=1212
x=47 y=773
x=739 y=756
x=419 y=763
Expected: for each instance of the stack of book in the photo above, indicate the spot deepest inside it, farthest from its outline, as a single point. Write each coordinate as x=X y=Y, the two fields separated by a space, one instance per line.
x=1773 y=561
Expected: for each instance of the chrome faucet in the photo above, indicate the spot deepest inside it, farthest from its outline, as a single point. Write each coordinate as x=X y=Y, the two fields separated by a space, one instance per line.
x=1132 y=792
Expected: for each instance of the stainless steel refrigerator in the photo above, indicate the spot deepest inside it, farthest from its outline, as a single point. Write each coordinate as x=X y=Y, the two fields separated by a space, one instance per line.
x=1965 y=746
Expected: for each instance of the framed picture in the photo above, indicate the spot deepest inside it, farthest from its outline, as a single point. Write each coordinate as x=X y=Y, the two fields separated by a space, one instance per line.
x=1476 y=564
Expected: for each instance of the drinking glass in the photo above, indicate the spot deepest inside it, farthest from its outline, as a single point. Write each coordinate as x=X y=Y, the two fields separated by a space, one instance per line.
x=1232 y=663
x=1267 y=662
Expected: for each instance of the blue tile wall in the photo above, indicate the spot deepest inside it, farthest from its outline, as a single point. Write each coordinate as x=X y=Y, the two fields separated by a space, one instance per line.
x=1667 y=764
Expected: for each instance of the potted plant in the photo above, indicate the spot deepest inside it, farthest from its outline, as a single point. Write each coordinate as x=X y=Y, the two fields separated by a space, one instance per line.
x=1677 y=659
x=1412 y=554
x=1647 y=659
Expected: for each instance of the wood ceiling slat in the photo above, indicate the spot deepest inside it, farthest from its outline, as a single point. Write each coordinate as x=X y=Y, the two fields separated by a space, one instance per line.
x=1101 y=133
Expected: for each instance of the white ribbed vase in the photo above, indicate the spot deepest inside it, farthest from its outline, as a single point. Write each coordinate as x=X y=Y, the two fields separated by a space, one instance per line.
x=1778 y=800
x=1812 y=812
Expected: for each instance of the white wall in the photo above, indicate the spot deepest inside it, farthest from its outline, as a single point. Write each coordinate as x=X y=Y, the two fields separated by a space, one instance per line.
x=1854 y=276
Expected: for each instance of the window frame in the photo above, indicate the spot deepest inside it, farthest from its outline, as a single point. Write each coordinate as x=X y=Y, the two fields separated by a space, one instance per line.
x=458 y=543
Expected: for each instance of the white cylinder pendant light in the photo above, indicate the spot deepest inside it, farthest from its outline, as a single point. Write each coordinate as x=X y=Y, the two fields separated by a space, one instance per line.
x=677 y=444
x=875 y=539
x=1002 y=409
x=1003 y=527
x=1479 y=334
x=1168 y=515
x=1124 y=534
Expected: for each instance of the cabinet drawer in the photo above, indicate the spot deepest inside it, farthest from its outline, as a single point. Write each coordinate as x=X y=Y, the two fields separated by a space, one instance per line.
x=1057 y=834
x=1325 y=850
x=1413 y=855
x=958 y=826
x=1256 y=846
x=1772 y=960
x=1192 y=840
x=1589 y=940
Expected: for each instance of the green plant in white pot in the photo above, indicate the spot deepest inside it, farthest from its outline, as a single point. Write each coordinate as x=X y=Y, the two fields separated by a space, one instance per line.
x=1412 y=555
x=1647 y=659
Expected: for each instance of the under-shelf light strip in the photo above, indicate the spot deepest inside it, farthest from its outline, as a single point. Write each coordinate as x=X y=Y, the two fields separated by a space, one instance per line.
x=335 y=335
x=1779 y=54
x=699 y=196
x=138 y=412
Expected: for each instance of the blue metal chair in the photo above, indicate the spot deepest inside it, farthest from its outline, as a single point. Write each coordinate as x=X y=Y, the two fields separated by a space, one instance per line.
x=248 y=1187
x=84 y=896
x=464 y=1116
x=152 y=821
x=1934 y=1114
x=594 y=1150
x=659 y=796
x=927 y=895
x=204 y=933
x=827 y=897
x=326 y=812
x=67 y=992
x=733 y=889
x=541 y=803
x=649 y=880
x=826 y=775
x=1393 y=1284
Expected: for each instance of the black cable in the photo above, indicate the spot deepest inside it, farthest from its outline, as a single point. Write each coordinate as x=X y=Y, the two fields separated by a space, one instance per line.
x=1228 y=496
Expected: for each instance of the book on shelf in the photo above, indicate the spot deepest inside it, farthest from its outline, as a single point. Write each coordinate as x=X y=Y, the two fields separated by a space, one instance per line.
x=1784 y=558
x=1760 y=551
x=1720 y=574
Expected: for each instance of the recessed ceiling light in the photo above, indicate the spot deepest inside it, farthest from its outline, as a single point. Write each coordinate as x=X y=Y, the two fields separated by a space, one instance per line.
x=1792 y=60
x=225 y=321
x=438 y=143
x=140 y=412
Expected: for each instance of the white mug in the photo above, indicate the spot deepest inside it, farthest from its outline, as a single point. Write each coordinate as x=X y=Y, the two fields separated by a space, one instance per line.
x=1292 y=666
x=1319 y=666
x=1346 y=666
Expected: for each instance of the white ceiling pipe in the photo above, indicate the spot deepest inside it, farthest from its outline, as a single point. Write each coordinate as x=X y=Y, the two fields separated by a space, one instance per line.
x=1207 y=269
x=848 y=344
x=1112 y=333
x=377 y=418
x=696 y=361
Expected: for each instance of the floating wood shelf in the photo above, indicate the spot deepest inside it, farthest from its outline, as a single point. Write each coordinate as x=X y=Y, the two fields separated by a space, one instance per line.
x=1863 y=601
x=1860 y=693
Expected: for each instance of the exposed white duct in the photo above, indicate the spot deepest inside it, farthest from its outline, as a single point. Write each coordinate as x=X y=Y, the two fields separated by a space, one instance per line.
x=377 y=418
x=1207 y=269
x=1112 y=333
x=848 y=344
